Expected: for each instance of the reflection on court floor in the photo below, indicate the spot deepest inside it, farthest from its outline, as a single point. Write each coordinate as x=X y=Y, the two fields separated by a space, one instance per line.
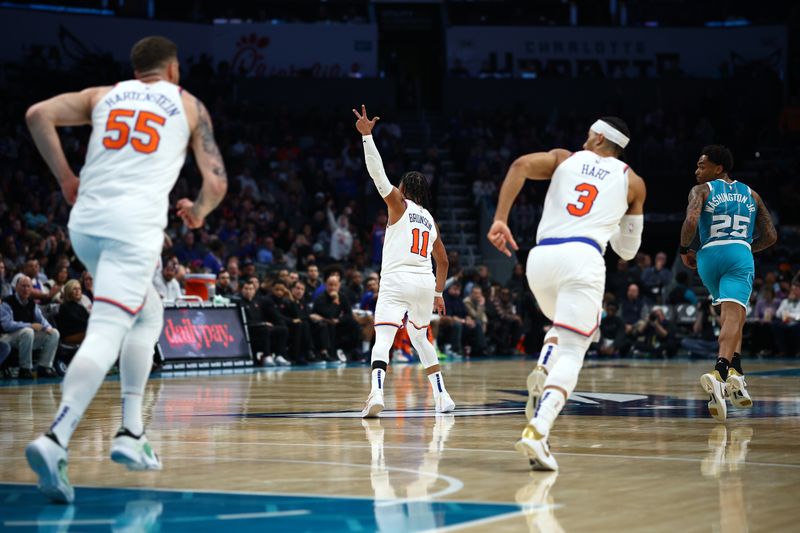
x=285 y=450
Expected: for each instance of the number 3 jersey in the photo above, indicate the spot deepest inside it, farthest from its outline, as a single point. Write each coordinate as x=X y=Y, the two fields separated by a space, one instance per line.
x=408 y=242
x=728 y=215
x=587 y=197
x=137 y=148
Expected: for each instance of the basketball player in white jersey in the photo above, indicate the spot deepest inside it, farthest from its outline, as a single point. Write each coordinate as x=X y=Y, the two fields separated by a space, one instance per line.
x=408 y=287
x=594 y=199
x=141 y=129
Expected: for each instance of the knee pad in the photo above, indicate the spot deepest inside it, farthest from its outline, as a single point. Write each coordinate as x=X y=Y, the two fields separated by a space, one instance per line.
x=571 y=351
x=149 y=322
x=551 y=333
x=384 y=339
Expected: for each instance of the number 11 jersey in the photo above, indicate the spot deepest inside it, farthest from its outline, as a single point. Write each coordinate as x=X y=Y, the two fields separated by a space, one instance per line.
x=408 y=242
x=137 y=148
x=587 y=197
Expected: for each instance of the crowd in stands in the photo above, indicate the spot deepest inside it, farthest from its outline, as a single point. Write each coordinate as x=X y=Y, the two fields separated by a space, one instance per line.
x=298 y=239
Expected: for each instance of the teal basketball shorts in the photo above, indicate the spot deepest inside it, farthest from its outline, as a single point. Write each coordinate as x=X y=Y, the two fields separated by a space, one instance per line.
x=727 y=272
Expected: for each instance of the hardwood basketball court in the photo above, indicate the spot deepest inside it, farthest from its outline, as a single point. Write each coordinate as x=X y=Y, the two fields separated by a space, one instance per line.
x=280 y=449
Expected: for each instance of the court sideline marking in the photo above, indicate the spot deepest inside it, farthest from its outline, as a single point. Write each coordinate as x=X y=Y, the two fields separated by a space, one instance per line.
x=473 y=450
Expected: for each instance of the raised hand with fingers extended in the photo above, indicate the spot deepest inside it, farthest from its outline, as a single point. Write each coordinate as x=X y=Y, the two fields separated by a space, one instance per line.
x=364 y=125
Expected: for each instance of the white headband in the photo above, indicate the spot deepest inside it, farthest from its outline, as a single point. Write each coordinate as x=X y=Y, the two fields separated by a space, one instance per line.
x=611 y=133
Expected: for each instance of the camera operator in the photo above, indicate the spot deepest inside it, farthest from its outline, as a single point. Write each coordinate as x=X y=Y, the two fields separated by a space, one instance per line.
x=658 y=334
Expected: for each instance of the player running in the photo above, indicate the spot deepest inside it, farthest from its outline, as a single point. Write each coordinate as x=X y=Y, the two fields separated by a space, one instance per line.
x=140 y=132
x=594 y=199
x=726 y=211
x=408 y=287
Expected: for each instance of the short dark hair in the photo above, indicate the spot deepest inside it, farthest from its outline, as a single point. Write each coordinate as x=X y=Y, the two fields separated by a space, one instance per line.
x=415 y=188
x=619 y=125
x=152 y=53
x=719 y=155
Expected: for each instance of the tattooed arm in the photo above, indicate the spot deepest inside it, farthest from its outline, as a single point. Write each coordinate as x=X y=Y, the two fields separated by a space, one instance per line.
x=697 y=197
x=765 y=229
x=209 y=162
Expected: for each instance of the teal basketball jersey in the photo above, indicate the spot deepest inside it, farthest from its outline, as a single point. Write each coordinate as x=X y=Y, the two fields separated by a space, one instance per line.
x=729 y=213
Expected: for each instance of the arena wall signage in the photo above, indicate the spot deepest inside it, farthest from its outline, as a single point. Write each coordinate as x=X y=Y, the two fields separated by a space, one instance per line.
x=615 y=52
x=203 y=333
x=254 y=50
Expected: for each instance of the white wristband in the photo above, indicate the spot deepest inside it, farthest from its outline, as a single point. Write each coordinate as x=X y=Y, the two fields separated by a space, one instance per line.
x=437 y=294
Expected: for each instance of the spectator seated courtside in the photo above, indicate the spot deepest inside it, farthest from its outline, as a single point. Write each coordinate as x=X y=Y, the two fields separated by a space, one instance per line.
x=26 y=329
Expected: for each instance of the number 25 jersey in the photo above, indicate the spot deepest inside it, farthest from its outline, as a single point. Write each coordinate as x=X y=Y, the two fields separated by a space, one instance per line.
x=728 y=214
x=408 y=242
x=137 y=148
x=587 y=197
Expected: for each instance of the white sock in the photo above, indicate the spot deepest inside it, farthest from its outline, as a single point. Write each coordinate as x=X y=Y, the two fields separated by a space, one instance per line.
x=548 y=356
x=86 y=372
x=437 y=383
x=136 y=361
x=378 y=379
x=549 y=407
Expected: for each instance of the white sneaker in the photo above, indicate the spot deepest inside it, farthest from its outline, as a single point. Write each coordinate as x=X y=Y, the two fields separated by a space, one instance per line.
x=374 y=405
x=712 y=383
x=444 y=403
x=737 y=390
x=534 y=446
x=49 y=461
x=269 y=360
x=341 y=355
x=536 y=381
x=134 y=452
x=282 y=361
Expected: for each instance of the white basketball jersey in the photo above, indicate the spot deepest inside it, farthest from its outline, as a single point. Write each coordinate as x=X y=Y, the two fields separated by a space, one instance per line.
x=408 y=242
x=587 y=197
x=137 y=148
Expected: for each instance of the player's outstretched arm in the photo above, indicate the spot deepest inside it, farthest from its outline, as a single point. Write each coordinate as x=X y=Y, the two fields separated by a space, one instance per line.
x=209 y=162
x=442 y=266
x=697 y=197
x=536 y=166
x=372 y=158
x=68 y=109
x=626 y=241
x=767 y=234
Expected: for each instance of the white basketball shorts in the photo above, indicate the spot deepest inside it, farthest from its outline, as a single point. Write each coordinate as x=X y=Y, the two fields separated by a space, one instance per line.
x=122 y=271
x=401 y=293
x=568 y=281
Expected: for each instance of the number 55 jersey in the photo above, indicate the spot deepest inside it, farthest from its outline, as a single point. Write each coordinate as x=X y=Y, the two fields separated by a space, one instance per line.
x=137 y=148
x=587 y=197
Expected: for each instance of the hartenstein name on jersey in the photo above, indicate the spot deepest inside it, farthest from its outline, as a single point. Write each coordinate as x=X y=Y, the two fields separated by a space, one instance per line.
x=419 y=219
x=162 y=101
x=712 y=203
x=595 y=172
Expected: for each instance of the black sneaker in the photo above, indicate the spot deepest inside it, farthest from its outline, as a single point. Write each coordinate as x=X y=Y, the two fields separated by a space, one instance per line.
x=46 y=372
x=26 y=373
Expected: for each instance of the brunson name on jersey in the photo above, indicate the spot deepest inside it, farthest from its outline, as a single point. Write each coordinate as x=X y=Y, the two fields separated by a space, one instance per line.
x=419 y=219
